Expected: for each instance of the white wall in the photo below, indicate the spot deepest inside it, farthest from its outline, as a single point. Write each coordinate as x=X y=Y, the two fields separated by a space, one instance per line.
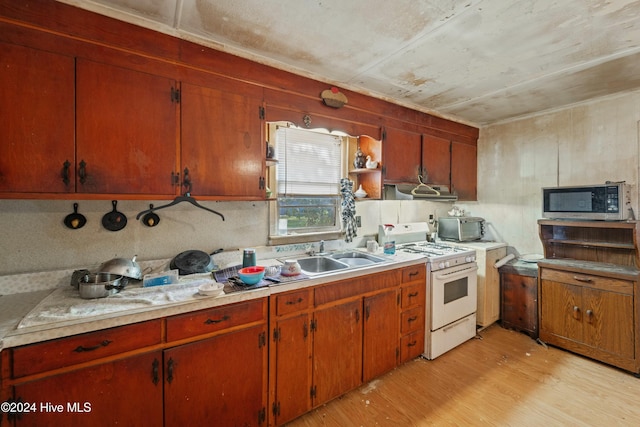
x=34 y=237
x=585 y=144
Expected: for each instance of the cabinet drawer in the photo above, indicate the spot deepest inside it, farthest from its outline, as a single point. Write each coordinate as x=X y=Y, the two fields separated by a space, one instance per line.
x=292 y=302
x=335 y=291
x=412 y=320
x=588 y=280
x=215 y=319
x=411 y=346
x=41 y=357
x=413 y=295
x=413 y=273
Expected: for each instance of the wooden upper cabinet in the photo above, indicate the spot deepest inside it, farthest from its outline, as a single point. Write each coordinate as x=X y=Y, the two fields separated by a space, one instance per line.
x=401 y=155
x=222 y=143
x=36 y=120
x=436 y=160
x=126 y=130
x=464 y=170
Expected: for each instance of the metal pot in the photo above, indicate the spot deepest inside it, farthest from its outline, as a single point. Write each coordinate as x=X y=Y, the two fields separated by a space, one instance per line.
x=100 y=285
x=124 y=267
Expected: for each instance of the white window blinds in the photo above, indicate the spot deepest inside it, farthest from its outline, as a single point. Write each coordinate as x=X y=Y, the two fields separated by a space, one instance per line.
x=308 y=162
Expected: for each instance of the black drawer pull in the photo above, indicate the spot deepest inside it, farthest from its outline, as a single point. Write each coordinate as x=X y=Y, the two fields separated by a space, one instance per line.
x=213 y=322
x=81 y=349
x=412 y=319
x=298 y=301
x=583 y=279
x=414 y=273
x=412 y=344
x=413 y=294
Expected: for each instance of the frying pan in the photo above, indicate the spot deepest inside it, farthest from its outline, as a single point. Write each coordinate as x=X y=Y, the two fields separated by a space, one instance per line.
x=114 y=220
x=75 y=220
x=193 y=261
x=151 y=219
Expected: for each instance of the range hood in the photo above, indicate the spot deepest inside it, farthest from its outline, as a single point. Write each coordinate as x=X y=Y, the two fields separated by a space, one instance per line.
x=436 y=193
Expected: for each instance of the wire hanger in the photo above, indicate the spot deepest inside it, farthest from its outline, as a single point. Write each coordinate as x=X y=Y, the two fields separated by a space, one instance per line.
x=422 y=184
x=185 y=198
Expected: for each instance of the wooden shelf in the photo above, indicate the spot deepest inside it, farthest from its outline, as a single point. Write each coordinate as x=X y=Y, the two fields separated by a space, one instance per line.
x=359 y=171
x=593 y=244
x=271 y=162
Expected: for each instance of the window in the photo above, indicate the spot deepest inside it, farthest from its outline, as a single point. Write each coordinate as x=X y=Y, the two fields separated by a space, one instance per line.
x=308 y=181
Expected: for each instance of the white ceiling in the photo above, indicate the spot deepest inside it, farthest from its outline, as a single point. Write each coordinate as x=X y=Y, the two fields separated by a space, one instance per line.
x=477 y=61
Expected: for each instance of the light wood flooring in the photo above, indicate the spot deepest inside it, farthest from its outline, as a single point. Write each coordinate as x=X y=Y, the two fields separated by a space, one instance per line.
x=503 y=379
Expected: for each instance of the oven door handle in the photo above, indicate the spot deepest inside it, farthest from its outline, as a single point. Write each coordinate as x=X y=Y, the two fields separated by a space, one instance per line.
x=456 y=274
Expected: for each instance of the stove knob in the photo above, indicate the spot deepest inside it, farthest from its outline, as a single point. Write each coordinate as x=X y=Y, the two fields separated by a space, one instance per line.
x=470 y=259
x=441 y=265
x=446 y=264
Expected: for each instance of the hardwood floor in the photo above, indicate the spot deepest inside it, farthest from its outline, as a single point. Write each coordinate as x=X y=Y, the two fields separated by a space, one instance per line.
x=503 y=379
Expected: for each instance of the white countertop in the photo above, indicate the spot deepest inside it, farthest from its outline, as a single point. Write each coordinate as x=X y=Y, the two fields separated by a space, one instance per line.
x=42 y=315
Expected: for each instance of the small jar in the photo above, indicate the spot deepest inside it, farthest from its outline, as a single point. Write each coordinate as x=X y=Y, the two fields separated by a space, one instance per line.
x=249 y=258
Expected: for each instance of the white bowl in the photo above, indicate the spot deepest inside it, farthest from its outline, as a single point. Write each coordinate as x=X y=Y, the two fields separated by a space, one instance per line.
x=211 y=289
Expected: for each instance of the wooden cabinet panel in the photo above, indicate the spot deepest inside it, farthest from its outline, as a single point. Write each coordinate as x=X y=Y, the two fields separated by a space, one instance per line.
x=401 y=154
x=436 y=160
x=337 y=350
x=217 y=381
x=293 y=301
x=464 y=166
x=380 y=351
x=36 y=120
x=519 y=306
x=215 y=319
x=34 y=358
x=560 y=310
x=125 y=392
x=608 y=323
x=222 y=143
x=292 y=351
x=126 y=131
x=411 y=346
x=417 y=273
x=412 y=320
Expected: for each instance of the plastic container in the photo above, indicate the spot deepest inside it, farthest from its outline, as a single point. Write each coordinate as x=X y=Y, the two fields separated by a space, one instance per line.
x=165 y=278
x=389 y=246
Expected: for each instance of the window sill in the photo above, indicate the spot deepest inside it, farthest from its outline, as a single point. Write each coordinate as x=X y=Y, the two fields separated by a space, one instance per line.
x=304 y=238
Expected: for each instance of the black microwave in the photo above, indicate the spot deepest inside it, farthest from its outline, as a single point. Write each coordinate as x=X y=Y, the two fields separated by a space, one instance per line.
x=588 y=202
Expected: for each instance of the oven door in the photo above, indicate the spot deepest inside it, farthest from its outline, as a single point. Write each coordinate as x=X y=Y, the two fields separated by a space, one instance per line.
x=454 y=294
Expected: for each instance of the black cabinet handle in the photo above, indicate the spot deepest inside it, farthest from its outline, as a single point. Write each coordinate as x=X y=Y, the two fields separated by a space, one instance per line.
x=65 y=172
x=170 y=370
x=82 y=172
x=298 y=301
x=213 y=322
x=155 y=377
x=81 y=349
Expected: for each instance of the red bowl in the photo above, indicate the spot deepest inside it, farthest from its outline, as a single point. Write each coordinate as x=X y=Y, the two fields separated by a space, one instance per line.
x=251 y=270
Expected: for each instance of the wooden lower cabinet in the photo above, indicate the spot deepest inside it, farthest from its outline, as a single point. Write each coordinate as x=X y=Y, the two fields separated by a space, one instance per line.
x=589 y=314
x=519 y=297
x=412 y=312
x=209 y=369
x=380 y=351
x=217 y=381
x=124 y=392
x=330 y=339
x=337 y=350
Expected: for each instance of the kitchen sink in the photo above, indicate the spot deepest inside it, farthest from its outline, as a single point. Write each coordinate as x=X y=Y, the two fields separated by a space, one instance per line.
x=320 y=264
x=356 y=258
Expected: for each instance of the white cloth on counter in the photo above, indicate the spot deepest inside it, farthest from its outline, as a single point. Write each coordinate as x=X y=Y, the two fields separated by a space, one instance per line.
x=64 y=303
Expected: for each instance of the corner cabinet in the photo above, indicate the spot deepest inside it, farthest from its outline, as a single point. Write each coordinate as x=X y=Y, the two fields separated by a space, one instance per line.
x=588 y=290
x=369 y=179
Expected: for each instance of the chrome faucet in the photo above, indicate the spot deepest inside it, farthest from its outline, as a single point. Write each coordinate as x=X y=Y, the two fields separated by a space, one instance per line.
x=321 y=246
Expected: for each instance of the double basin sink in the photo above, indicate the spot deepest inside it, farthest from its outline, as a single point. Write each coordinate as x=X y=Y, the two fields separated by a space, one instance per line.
x=319 y=264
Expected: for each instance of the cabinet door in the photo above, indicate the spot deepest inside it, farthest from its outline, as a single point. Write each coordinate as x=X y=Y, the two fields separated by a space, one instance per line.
x=126 y=131
x=608 y=321
x=560 y=310
x=464 y=176
x=292 y=341
x=222 y=144
x=380 y=334
x=36 y=121
x=217 y=381
x=125 y=392
x=436 y=160
x=401 y=154
x=337 y=350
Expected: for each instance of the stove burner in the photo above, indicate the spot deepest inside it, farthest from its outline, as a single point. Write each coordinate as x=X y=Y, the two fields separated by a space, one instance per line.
x=438 y=254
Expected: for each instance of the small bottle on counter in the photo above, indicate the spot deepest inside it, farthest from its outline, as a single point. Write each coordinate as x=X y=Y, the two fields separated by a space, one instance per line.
x=389 y=247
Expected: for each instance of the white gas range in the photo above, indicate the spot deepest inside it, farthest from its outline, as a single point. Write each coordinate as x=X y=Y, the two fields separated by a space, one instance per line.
x=451 y=287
